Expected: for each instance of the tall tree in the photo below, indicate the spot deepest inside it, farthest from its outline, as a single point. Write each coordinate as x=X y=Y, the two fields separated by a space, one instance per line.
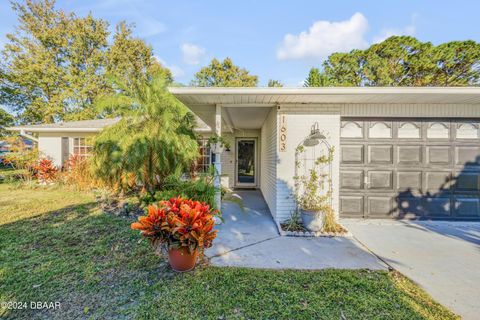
x=458 y=63
x=224 y=74
x=153 y=139
x=131 y=59
x=274 y=83
x=55 y=64
x=315 y=78
x=406 y=61
x=6 y=120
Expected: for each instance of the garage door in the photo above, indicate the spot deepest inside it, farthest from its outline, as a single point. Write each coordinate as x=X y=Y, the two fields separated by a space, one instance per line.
x=410 y=168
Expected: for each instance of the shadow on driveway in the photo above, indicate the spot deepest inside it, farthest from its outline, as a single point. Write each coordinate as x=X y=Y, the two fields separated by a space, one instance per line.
x=442 y=257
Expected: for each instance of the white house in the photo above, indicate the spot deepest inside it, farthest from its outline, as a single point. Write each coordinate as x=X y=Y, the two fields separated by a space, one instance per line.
x=399 y=152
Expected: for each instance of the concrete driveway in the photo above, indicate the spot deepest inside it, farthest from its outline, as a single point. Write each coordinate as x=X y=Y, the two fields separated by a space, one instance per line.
x=442 y=257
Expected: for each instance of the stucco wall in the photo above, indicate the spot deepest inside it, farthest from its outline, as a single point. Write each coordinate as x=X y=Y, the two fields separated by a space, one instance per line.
x=298 y=121
x=268 y=161
x=50 y=144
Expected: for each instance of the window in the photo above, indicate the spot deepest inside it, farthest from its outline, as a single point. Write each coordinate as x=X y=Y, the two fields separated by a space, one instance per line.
x=380 y=130
x=438 y=130
x=467 y=131
x=81 y=147
x=206 y=156
x=351 y=130
x=408 y=130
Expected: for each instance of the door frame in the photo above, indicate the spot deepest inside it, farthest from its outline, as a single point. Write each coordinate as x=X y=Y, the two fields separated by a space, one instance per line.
x=255 y=176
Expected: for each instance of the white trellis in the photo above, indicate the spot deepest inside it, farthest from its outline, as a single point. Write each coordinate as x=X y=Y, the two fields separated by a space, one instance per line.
x=307 y=154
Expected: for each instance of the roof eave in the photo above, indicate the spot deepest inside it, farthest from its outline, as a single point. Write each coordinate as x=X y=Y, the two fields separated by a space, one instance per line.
x=32 y=129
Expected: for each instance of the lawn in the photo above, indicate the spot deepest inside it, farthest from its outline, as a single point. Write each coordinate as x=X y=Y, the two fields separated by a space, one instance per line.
x=57 y=246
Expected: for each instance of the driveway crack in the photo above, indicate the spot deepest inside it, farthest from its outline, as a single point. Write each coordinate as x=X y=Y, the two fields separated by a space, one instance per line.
x=245 y=246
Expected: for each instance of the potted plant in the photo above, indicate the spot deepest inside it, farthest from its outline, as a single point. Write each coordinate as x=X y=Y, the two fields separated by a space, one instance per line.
x=218 y=144
x=182 y=227
x=314 y=201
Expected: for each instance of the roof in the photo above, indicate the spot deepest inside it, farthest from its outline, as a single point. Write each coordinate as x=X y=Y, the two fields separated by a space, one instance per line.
x=95 y=125
x=344 y=95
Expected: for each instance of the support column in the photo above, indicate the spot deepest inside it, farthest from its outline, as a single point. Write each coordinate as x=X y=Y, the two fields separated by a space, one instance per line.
x=218 y=164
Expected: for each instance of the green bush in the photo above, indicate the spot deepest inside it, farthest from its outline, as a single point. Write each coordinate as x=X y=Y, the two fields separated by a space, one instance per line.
x=200 y=189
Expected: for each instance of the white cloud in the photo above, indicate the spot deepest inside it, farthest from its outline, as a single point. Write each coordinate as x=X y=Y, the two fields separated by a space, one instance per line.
x=388 y=32
x=325 y=37
x=192 y=54
x=177 y=72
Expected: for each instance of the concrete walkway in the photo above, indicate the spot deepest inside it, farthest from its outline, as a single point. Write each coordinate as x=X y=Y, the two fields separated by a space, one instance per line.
x=250 y=238
x=442 y=257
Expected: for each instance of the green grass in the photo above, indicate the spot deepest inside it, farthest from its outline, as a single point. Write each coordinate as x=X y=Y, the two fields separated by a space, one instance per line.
x=57 y=246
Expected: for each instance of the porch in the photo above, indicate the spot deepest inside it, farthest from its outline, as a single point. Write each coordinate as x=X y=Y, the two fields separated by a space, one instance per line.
x=250 y=238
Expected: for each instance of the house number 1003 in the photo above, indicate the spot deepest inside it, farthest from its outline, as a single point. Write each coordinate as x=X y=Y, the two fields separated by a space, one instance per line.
x=283 y=134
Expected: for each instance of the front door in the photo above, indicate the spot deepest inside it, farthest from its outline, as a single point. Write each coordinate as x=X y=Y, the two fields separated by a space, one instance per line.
x=246 y=167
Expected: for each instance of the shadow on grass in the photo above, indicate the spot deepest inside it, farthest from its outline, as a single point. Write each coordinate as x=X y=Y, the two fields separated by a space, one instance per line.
x=94 y=266
x=78 y=256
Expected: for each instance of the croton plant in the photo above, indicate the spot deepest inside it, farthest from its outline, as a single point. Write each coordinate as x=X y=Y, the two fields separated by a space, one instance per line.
x=179 y=222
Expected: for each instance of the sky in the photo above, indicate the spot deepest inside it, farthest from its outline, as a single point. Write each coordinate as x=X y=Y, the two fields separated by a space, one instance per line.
x=278 y=39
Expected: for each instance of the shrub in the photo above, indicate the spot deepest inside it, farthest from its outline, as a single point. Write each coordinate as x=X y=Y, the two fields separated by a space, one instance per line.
x=177 y=223
x=78 y=173
x=45 y=171
x=21 y=158
x=199 y=188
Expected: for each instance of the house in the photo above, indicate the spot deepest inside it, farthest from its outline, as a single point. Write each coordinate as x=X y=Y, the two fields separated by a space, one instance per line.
x=398 y=152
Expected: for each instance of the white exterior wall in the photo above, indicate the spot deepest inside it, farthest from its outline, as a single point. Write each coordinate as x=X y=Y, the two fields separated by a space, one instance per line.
x=50 y=144
x=268 y=161
x=298 y=121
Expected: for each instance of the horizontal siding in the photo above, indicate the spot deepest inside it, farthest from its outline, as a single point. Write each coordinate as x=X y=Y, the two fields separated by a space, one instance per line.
x=298 y=122
x=268 y=160
x=389 y=109
x=411 y=110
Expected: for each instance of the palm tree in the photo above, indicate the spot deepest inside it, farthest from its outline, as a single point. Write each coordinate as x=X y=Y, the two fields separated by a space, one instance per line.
x=153 y=139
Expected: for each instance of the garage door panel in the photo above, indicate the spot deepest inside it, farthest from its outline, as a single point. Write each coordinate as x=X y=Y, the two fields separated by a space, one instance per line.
x=437 y=207
x=409 y=180
x=352 y=206
x=409 y=155
x=380 y=180
x=467 y=156
x=410 y=207
x=467 y=207
x=437 y=180
x=411 y=168
x=380 y=206
x=467 y=181
x=351 y=179
x=352 y=154
x=380 y=154
x=438 y=155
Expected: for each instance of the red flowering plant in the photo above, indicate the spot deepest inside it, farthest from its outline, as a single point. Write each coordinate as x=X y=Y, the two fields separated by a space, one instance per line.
x=45 y=171
x=177 y=223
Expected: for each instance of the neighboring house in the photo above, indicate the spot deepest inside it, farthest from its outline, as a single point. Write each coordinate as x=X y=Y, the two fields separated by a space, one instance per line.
x=399 y=152
x=58 y=141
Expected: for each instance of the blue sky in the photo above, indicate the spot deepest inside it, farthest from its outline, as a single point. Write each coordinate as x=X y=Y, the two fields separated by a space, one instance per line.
x=273 y=39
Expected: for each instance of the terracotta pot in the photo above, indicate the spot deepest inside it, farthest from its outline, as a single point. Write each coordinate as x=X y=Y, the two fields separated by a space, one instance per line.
x=181 y=260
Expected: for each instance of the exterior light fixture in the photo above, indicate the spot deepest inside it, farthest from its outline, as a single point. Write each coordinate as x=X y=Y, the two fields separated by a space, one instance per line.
x=310 y=142
x=314 y=137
